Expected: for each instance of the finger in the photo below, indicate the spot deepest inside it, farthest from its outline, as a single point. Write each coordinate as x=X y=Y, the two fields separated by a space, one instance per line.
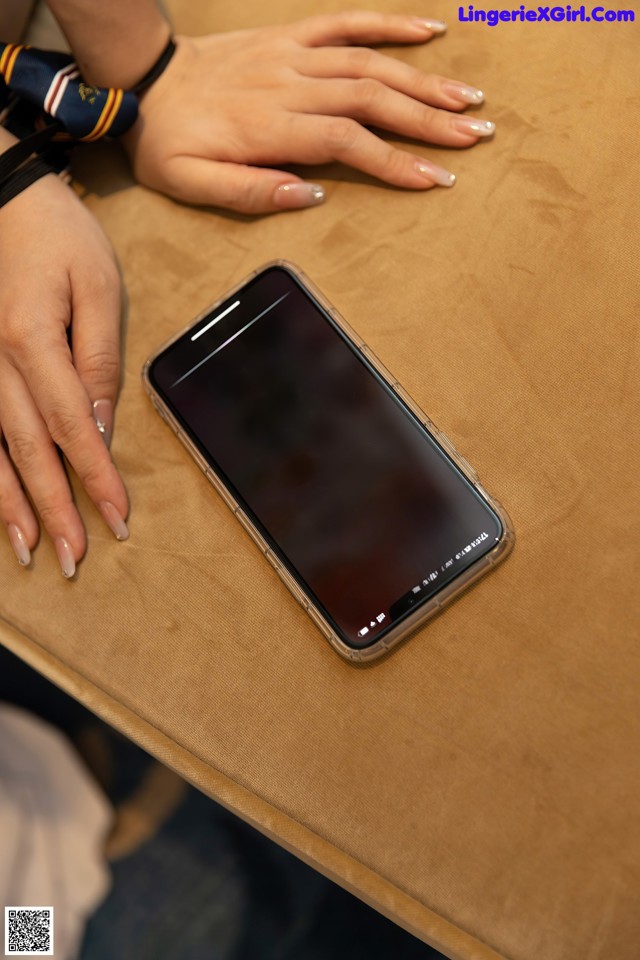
x=357 y=63
x=96 y=343
x=362 y=26
x=323 y=139
x=38 y=463
x=96 y=332
x=236 y=186
x=16 y=512
x=372 y=102
x=58 y=394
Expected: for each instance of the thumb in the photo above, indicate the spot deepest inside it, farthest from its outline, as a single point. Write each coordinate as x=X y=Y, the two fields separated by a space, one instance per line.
x=236 y=186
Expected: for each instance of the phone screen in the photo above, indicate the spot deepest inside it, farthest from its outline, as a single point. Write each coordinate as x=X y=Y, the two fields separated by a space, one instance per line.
x=351 y=492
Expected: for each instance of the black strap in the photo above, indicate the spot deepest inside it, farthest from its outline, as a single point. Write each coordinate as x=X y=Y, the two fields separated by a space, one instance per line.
x=12 y=158
x=22 y=178
x=16 y=174
x=159 y=67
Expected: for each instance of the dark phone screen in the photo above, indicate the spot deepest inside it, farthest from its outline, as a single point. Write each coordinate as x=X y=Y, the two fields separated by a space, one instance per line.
x=350 y=490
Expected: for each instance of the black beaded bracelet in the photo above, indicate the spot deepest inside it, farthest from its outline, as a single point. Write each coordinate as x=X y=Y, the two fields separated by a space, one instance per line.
x=22 y=178
x=159 y=67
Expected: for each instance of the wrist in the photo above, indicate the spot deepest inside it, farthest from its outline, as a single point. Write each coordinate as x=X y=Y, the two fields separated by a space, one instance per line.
x=116 y=43
x=19 y=168
x=22 y=178
x=156 y=69
x=126 y=71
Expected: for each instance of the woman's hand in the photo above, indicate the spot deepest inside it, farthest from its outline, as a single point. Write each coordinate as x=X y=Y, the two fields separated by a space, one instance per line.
x=60 y=303
x=230 y=105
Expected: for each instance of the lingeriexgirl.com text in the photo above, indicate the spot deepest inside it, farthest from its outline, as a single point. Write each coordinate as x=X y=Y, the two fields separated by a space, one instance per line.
x=563 y=14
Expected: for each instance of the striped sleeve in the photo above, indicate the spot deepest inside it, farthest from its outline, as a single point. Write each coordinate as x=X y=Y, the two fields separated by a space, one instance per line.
x=53 y=82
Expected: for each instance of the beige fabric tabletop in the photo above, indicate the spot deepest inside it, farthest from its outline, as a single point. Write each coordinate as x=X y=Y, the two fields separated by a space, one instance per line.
x=481 y=785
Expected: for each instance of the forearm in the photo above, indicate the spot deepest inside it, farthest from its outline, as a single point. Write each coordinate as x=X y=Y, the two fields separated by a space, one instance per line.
x=114 y=43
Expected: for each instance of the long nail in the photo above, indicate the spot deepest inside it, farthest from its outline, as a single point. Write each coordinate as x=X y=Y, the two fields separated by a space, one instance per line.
x=19 y=543
x=435 y=173
x=65 y=557
x=434 y=26
x=479 y=128
x=103 y=416
x=462 y=92
x=292 y=196
x=114 y=520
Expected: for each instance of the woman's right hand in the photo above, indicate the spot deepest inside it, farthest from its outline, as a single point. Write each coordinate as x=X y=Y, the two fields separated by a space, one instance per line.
x=232 y=109
x=60 y=307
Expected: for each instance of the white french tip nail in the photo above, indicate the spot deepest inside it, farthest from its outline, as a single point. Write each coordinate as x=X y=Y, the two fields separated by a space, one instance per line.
x=444 y=178
x=463 y=92
x=114 y=520
x=293 y=196
x=479 y=128
x=103 y=416
x=434 y=26
x=65 y=557
x=19 y=543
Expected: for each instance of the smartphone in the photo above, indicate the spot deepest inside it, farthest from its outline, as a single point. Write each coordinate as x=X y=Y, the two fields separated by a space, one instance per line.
x=365 y=510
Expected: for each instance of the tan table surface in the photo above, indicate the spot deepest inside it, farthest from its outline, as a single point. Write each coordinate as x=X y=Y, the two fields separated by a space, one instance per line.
x=481 y=786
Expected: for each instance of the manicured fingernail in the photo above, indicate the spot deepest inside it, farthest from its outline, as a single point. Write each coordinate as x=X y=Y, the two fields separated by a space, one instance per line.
x=65 y=557
x=103 y=416
x=435 y=173
x=19 y=544
x=462 y=92
x=291 y=196
x=479 y=128
x=114 y=520
x=435 y=26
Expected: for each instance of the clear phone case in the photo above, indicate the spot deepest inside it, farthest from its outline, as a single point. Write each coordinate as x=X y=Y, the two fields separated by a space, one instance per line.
x=427 y=610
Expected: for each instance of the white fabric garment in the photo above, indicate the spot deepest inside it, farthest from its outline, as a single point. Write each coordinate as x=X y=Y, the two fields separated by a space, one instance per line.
x=53 y=823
